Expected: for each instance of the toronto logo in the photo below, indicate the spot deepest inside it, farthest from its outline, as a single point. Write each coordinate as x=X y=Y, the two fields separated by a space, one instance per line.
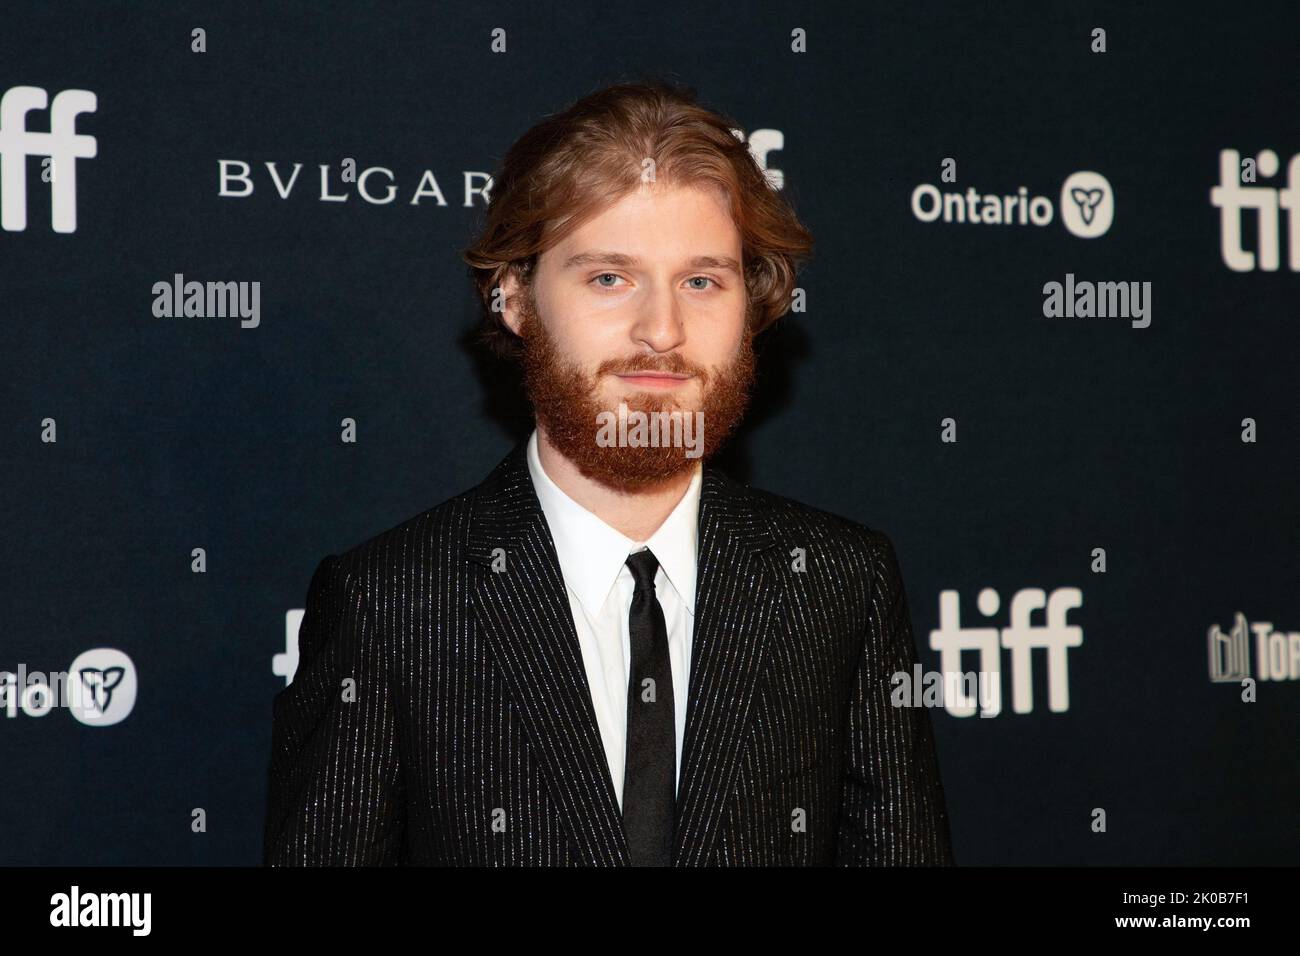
x=1277 y=653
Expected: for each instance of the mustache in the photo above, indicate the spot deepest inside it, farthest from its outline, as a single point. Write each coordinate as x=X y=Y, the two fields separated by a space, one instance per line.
x=673 y=363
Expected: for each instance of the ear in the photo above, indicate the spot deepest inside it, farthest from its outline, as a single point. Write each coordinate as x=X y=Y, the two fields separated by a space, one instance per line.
x=511 y=289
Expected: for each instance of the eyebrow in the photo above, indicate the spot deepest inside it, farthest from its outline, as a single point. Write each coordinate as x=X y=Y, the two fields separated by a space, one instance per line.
x=626 y=261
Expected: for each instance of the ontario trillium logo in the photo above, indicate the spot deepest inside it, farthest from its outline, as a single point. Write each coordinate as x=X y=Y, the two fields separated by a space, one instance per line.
x=1087 y=204
x=102 y=685
x=1086 y=201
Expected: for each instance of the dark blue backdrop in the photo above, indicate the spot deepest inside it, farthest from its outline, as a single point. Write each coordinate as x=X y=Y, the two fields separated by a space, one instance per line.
x=1072 y=433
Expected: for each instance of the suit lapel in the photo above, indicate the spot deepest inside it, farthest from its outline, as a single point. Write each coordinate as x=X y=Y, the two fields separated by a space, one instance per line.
x=524 y=613
x=737 y=597
x=525 y=616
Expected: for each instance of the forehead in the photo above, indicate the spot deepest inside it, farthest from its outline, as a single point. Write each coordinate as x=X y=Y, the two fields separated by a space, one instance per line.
x=656 y=221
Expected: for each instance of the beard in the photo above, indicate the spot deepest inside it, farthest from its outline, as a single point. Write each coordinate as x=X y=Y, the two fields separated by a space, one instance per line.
x=567 y=406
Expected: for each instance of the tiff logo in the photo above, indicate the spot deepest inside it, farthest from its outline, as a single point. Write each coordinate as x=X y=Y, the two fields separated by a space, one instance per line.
x=1232 y=198
x=1020 y=637
x=63 y=146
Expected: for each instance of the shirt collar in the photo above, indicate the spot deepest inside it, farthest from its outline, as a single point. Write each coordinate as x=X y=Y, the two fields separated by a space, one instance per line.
x=592 y=553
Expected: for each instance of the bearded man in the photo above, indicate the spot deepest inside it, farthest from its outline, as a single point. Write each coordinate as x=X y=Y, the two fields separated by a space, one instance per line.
x=609 y=652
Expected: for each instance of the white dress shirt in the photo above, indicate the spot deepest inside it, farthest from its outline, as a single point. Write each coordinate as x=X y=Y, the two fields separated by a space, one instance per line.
x=593 y=560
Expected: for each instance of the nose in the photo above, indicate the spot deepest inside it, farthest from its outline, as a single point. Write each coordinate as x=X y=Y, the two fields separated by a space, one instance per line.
x=659 y=324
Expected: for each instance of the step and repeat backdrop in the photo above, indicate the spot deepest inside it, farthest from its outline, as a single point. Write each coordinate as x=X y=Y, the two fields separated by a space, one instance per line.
x=1048 y=343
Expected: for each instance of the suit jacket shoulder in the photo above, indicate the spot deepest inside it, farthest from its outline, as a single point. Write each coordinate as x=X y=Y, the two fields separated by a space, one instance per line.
x=836 y=549
x=795 y=516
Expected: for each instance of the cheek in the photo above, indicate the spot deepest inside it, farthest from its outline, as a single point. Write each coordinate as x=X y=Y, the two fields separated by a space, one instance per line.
x=718 y=344
x=590 y=338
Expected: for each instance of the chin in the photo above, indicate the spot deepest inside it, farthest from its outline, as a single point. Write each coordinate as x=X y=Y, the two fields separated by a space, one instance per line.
x=680 y=399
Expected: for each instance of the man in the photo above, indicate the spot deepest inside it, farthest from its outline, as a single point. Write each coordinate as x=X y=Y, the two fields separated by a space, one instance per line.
x=609 y=652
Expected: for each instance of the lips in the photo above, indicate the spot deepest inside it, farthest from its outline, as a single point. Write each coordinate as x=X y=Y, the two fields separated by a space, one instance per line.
x=653 y=379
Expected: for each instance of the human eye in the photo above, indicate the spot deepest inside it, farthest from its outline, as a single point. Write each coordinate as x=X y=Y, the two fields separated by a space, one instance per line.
x=706 y=279
x=605 y=275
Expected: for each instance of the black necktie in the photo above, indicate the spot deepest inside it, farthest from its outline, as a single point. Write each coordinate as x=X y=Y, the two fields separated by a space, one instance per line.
x=649 y=773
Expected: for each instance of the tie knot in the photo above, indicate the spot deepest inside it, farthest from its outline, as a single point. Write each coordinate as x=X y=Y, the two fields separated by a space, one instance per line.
x=644 y=564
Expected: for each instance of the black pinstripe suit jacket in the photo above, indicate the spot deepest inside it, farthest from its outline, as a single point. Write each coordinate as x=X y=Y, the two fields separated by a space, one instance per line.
x=468 y=736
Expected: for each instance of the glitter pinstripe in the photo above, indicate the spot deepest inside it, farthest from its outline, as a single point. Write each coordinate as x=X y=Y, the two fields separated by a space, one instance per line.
x=472 y=741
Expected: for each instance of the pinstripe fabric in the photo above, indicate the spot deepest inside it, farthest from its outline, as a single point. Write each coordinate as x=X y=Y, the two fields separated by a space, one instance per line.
x=471 y=738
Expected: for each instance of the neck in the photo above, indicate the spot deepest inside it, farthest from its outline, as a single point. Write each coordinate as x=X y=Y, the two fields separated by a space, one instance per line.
x=636 y=514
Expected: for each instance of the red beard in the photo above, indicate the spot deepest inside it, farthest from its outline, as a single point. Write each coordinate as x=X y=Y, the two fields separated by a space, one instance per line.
x=564 y=400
